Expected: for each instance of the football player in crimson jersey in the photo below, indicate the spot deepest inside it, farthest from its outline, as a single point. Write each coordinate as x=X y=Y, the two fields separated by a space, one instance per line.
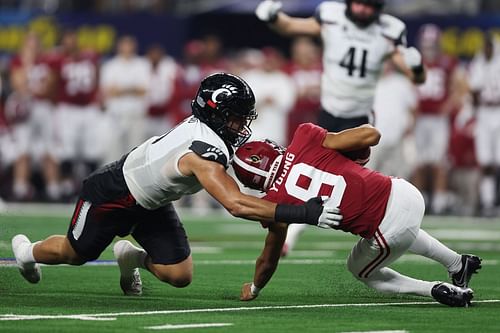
x=441 y=94
x=386 y=212
x=134 y=195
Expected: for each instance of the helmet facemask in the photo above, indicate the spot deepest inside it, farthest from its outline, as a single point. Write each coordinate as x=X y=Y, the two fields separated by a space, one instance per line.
x=360 y=21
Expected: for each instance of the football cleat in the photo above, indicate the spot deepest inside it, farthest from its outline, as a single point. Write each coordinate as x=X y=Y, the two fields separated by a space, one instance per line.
x=30 y=271
x=451 y=295
x=132 y=285
x=130 y=278
x=470 y=265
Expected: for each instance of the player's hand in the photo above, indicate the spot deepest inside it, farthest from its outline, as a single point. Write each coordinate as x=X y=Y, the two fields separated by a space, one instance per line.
x=268 y=10
x=246 y=292
x=411 y=56
x=326 y=217
x=330 y=218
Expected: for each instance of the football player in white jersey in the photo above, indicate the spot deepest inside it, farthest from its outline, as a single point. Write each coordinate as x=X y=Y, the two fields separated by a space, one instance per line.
x=484 y=83
x=134 y=195
x=357 y=40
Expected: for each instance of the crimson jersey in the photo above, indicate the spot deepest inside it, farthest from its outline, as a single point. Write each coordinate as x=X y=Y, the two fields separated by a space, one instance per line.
x=434 y=92
x=309 y=170
x=78 y=78
x=37 y=75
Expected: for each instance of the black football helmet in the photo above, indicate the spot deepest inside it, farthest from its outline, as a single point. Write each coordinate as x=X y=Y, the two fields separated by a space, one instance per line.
x=378 y=5
x=226 y=104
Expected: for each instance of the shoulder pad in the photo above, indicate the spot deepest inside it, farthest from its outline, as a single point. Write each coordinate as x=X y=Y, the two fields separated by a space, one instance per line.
x=330 y=12
x=209 y=152
x=393 y=28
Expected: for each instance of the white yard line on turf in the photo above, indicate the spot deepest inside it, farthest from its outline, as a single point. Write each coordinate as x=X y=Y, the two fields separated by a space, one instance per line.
x=99 y=316
x=392 y=331
x=175 y=327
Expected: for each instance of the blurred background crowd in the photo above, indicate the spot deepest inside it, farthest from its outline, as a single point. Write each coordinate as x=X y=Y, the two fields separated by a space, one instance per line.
x=83 y=82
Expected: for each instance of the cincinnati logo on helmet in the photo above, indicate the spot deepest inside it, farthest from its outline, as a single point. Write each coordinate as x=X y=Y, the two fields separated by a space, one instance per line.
x=226 y=89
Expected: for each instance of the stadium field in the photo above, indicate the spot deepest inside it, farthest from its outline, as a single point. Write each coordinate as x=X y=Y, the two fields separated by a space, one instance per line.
x=312 y=291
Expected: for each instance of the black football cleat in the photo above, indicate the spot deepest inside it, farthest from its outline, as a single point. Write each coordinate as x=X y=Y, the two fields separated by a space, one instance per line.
x=470 y=265
x=451 y=295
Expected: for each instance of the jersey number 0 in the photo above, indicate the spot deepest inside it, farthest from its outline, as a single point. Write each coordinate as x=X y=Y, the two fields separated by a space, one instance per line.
x=318 y=179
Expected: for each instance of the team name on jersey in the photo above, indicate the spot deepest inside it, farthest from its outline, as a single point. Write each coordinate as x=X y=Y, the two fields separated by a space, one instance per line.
x=289 y=157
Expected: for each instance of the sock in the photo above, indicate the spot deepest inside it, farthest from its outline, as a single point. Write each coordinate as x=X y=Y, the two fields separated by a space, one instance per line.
x=133 y=257
x=487 y=191
x=294 y=231
x=21 y=190
x=26 y=256
x=429 y=247
x=439 y=202
x=53 y=191
x=387 y=280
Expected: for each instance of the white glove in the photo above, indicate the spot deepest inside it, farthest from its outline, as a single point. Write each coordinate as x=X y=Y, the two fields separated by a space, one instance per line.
x=411 y=56
x=267 y=10
x=330 y=218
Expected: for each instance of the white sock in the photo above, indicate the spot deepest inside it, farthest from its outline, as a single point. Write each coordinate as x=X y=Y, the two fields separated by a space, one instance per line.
x=387 y=280
x=439 y=202
x=21 y=190
x=26 y=256
x=487 y=191
x=293 y=233
x=54 y=191
x=429 y=247
x=133 y=257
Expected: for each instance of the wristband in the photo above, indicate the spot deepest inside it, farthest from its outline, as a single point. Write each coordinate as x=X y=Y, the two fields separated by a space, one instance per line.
x=254 y=290
x=290 y=214
x=418 y=70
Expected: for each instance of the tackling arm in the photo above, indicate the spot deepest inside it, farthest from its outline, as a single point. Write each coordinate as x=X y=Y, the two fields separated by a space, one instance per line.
x=223 y=188
x=352 y=139
x=267 y=262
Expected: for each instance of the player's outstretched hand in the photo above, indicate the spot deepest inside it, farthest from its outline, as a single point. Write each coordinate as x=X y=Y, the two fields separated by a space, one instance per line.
x=268 y=10
x=411 y=56
x=246 y=292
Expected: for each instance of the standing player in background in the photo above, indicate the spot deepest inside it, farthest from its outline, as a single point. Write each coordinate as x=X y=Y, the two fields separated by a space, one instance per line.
x=441 y=95
x=134 y=195
x=485 y=87
x=164 y=74
x=30 y=113
x=305 y=70
x=125 y=81
x=357 y=40
x=386 y=212
x=78 y=117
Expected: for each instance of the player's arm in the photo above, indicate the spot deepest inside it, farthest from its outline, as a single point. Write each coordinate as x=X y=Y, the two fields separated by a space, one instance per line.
x=458 y=90
x=409 y=62
x=213 y=177
x=270 y=12
x=352 y=139
x=267 y=262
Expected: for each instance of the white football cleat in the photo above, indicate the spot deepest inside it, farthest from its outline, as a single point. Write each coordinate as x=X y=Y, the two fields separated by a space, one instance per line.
x=130 y=278
x=30 y=271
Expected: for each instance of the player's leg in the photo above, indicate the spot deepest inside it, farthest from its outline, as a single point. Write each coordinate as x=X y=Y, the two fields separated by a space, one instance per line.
x=440 y=138
x=485 y=152
x=165 y=253
x=22 y=166
x=292 y=236
x=369 y=257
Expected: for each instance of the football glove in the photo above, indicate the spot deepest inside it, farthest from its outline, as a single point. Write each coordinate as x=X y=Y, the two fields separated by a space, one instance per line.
x=268 y=10
x=330 y=218
x=411 y=56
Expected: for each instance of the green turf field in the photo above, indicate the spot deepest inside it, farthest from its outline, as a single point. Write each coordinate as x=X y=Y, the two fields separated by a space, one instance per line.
x=311 y=292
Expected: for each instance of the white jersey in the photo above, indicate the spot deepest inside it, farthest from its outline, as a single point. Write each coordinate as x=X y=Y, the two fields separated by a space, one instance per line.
x=353 y=58
x=485 y=78
x=151 y=170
